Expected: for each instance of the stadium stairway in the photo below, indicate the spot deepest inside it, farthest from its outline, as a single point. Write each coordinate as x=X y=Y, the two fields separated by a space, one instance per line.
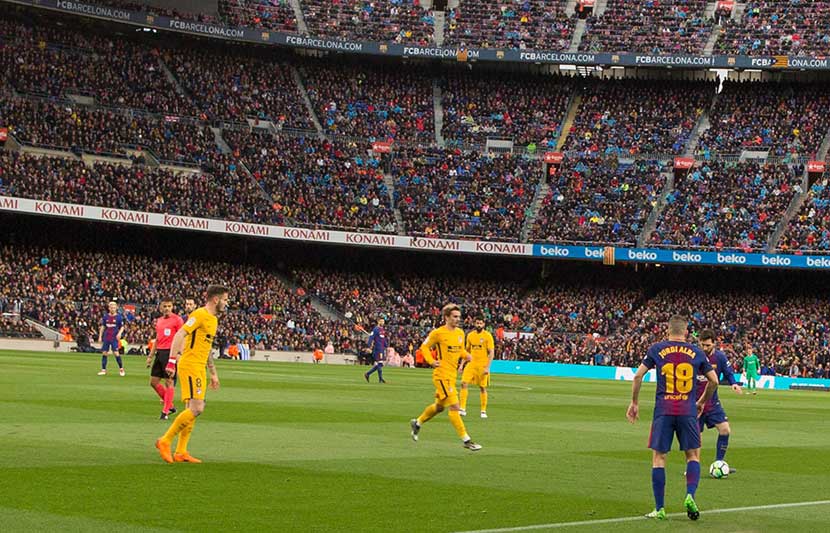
x=709 y=12
x=713 y=38
x=702 y=125
x=651 y=221
x=173 y=80
x=302 y=27
x=573 y=109
x=220 y=141
x=738 y=12
x=579 y=31
x=542 y=190
x=440 y=19
x=438 y=113
x=326 y=311
x=599 y=7
x=47 y=332
x=390 y=187
x=298 y=79
x=792 y=210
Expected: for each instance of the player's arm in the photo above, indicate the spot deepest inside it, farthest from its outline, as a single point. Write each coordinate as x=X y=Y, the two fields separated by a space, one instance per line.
x=175 y=350
x=214 y=377
x=101 y=332
x=725 y=369
x=711 y=387
x=633 y=412
x=120 y=330
x=426 y=349
x=152 y=355
x=491 y=353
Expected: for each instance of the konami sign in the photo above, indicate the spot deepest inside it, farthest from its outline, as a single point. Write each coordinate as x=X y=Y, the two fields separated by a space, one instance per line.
x=553 y=158
x=816 y=166
x=381 y=147
x=684 y=163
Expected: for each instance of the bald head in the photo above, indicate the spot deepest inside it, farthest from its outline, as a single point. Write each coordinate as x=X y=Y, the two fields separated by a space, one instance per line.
x=677 y=326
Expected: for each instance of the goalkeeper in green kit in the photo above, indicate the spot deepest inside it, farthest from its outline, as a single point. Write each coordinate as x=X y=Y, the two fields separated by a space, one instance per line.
x=752 y=366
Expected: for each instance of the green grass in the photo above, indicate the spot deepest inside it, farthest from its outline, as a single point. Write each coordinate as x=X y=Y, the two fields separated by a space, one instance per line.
x=291 y=447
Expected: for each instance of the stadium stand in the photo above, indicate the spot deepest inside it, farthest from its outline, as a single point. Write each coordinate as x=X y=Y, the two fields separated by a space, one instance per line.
x=381 y=20
x=649 y=26
x=809 y=230
x=776 y=27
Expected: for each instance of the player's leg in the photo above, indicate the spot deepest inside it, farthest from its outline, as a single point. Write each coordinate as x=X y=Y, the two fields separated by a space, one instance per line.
x=723 y=440
x=659 y=440
x=431 y=410
x=105 y=352
x=380 y=372
x=193 y=393
x=371 y=370
x=119 y=360
x=169 y=393
x=688 y=434
x=658 y=484
x=465 y=393
x=155 y=384
x=182 y=455
x=483 y=383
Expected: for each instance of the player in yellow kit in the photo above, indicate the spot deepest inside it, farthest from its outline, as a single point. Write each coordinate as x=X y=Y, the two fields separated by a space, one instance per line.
x=448 y=341
x=481 y=346
x=193 y=341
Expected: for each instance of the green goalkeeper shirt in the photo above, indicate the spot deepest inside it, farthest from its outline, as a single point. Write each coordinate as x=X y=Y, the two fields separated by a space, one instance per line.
x=752 y=364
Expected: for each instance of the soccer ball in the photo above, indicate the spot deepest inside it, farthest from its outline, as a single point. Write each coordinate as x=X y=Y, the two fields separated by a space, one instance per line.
x=719 y=469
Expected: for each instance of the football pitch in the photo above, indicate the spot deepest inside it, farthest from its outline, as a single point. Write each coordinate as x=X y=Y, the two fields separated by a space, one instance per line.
x=297 y=447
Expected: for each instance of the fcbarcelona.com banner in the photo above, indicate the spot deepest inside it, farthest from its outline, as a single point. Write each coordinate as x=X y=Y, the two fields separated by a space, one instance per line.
x=683 y=257
x=261 y=36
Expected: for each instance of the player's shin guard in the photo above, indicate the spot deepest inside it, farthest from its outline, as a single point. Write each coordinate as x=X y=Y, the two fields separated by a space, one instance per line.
x=692 y=477
x=458 y=424
x=380 y=372
x=118 y=360
x=428 y=413
x=184 y=437
x=723 y=444
x=103 y=362
x=372 y=370
x=169 y=392
x=181 y=421
x=658 y=485
x=464 y=394
x=484 y=401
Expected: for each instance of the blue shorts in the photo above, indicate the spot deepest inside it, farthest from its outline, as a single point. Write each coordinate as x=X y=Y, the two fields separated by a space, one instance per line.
x=664 y=428
x=110 y=346
x=716 y=415
x=379 y=357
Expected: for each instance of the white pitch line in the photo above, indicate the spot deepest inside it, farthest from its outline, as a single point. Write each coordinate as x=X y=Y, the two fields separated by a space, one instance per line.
x=558 y=525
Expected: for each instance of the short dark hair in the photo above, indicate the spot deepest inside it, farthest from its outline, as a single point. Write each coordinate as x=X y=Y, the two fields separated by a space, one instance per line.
x=706 y=335
x=480 y=317
x=216 y=290
x=166 y=300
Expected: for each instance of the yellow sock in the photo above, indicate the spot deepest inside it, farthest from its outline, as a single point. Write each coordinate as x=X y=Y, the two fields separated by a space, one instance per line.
x=184 y=437
x=458 y=424
x=484 y=401
x=184 y=419
x=428 y=413
x=464 y=394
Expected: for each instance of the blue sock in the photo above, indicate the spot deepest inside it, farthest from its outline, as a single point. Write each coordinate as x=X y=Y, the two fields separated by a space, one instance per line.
x=369 y=373
x=723 y=443
x=658 y=485
x=692 y=477
x=118 y=360
x=103 y=362
x=380 y=372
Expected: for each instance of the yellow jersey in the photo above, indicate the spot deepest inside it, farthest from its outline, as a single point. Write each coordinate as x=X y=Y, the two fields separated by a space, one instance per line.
x=201 y=330
x=479 y=346
x=449 y=349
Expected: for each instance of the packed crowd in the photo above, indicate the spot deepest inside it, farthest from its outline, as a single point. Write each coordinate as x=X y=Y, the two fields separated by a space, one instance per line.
x=529 y=24
x=317 y=183
x=448 y=192
x=374 y=103
x=599 y=201
x=71 y=289
x=220 y=195
x=114 y=71
x=236 y=85
x=727 y=205
x=782 y=118
x=77 y=128
x=268 y=14
x=529 y=110
x=779 y=27
x=809 y=229
x=649 y=26
x=380 y=20
x=631 y=117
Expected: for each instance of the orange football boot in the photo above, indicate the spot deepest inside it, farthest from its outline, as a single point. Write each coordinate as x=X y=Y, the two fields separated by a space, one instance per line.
x=164 y=450
x=185 y=458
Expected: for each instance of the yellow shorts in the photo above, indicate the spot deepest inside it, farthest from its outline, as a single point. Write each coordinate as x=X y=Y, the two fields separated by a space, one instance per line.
x=193 y=383
x=474 y=375
x=445 y=392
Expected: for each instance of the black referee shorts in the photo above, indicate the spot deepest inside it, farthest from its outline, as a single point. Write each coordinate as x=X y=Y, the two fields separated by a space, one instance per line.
x=160 y=364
